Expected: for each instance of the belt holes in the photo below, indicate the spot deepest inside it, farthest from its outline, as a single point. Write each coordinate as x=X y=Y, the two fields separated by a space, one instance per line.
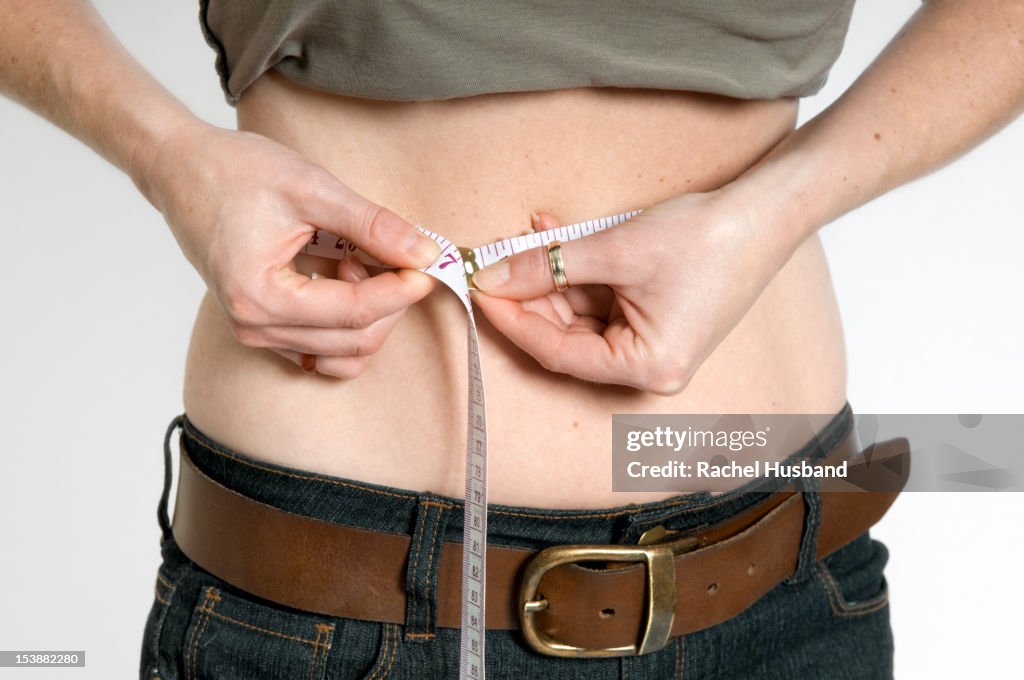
x=712 y=589
x=607 y=613
x=751 y=569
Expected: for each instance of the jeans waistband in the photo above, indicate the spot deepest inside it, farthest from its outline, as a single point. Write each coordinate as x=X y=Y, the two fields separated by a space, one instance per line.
x=382 y=508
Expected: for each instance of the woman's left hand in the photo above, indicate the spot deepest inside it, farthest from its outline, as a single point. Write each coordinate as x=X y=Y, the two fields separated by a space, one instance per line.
x=650 y=298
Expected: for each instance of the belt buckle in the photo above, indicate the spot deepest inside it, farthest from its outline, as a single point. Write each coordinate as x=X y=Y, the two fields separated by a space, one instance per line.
x=660 y=608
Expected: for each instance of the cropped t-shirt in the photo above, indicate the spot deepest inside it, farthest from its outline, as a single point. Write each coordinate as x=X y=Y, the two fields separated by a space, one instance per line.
x=407 y=50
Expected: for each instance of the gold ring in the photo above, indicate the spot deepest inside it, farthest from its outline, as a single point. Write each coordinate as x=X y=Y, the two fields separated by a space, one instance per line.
x=557 y=265
x=308 y=363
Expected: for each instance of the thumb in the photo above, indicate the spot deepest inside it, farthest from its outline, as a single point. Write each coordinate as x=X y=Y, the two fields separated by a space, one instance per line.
x=335 y=208
x=528 y=275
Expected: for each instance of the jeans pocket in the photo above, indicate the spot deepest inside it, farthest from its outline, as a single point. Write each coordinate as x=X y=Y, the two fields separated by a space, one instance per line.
x=232 y=635
x=853 y=577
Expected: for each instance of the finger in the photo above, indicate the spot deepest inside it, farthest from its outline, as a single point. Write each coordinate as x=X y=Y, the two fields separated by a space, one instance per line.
x=560 y=304
x=557 y=309
x=322 y=341
x=296 y=300
x=330 y=205
x=345 y=368
x=593 y=259
x=588 y=323
x=580 y=351
x=582 y=301
x=544 y=221
x=352 y=270
x=553 y=307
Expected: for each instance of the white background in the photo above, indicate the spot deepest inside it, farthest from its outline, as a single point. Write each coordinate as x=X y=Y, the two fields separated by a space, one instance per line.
x=94 y=339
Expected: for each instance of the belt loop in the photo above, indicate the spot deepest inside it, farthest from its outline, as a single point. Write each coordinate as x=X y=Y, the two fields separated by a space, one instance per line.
x=812 y=521
x=432 y=516
x=161 y=510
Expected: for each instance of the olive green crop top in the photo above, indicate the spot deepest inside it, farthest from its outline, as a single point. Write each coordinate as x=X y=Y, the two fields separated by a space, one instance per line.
x=440 y=49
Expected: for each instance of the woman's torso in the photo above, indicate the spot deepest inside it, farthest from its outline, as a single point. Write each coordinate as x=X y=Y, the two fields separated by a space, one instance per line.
x=473 y=169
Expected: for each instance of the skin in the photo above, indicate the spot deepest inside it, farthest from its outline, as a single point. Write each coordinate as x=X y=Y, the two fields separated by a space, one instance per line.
x=732 y=309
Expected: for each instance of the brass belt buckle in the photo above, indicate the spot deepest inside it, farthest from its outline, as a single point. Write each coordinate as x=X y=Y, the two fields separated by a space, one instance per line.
x=661 y=593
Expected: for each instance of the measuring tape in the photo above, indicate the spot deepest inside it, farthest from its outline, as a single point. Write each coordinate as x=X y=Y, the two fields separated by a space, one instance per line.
x=455 y=267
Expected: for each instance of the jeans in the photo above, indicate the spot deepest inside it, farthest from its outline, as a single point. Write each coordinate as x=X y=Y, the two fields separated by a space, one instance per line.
x=830 y=620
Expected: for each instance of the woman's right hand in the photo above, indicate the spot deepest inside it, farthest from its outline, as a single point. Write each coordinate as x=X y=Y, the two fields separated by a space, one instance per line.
x=242 y=206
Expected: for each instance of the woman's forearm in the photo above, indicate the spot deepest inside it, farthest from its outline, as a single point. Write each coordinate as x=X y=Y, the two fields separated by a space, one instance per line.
x=953 y=76
x=58 y=58
x=240 y=205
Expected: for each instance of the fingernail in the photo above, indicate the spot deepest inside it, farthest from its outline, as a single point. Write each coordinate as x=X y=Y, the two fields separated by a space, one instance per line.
x=422 y=249
x=493 y=276
x=354 y=269
x=534 y=220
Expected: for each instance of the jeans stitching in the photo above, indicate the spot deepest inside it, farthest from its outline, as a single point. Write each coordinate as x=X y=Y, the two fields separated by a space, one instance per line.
x=322 y=629
x=583 y=515
x=316 y=651
x=383 y=652
x=164 y=584
x=394 y=653
x=431 y=577
x=414 y=594
x=210 y=599
x=189 y=673
x=328 y=630
x=837 y=602
x=421 y=587
x=261 y=629
x=678 y=671
x=694 y=507
x=386 y=654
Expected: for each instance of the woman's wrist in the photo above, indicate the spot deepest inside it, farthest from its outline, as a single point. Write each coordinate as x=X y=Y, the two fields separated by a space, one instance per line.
x=774 y=203
x=162 y=153
x=797 y=188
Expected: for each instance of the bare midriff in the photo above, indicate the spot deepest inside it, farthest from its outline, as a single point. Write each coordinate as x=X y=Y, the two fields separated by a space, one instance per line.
x=473 y=169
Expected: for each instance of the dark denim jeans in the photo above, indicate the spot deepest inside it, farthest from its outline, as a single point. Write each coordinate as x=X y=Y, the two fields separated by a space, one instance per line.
x=830 y=621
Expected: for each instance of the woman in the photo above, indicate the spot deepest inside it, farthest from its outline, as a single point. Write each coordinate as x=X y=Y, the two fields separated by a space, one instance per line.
x=726 y=306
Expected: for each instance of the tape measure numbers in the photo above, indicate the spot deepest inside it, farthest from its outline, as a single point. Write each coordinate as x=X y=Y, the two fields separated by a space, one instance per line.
x=455 y=267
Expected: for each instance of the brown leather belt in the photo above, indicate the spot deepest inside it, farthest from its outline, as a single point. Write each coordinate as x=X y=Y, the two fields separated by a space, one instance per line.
x=653 y=593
